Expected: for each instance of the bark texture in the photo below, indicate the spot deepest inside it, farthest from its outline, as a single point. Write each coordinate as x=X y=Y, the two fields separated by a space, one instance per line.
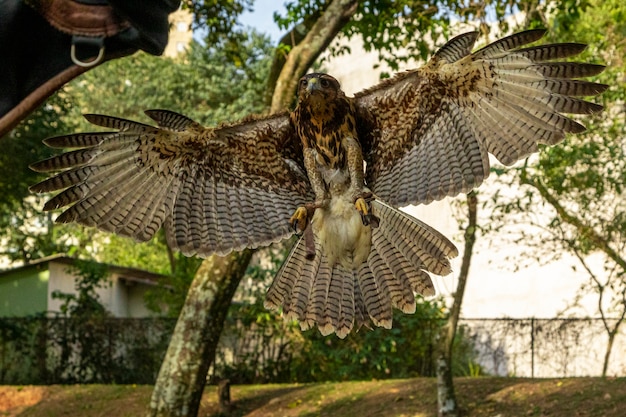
x=179 y=386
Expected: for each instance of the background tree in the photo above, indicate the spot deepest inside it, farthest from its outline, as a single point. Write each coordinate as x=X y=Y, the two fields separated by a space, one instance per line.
x=573 y=195
x=447 y=405
x=26 y=233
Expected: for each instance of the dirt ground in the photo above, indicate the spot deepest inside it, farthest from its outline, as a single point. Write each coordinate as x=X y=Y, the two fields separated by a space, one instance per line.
x=478 y=397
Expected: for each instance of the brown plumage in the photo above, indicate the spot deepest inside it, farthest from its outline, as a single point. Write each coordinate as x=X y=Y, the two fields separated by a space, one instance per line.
x=424 y=134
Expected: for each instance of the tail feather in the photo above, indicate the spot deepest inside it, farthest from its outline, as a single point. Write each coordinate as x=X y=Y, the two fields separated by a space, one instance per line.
x=386 y=263
x=301 y=292
x=348 y=313
x=335 y=298
x=361 y=316
x=419 y=241
x=317 y=299
x=376 y=300
x=280 y=291
x=331 y=314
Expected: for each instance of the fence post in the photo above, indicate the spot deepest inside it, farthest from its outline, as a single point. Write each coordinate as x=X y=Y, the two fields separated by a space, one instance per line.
x=532 y=347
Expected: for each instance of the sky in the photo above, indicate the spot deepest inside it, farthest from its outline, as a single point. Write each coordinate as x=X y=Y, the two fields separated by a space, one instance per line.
x=261 y=18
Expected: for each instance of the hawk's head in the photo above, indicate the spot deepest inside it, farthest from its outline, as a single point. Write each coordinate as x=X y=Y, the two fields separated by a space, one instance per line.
x=317 y=89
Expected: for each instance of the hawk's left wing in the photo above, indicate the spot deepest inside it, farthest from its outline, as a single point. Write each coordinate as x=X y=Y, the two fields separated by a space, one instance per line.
x=214 y=190
x=427 y=133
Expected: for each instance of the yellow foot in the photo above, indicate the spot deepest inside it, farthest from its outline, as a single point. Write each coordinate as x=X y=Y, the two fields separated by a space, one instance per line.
x=362 y=204
x=299 y=219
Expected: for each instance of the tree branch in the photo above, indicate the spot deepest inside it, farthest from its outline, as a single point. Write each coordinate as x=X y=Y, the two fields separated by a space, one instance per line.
x=585 y=230
x=470 y=239
x=446 y=399
x=289 y=40
x=304 y=54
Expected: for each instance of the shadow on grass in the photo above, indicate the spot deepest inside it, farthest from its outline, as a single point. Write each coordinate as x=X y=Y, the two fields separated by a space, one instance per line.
x=244 y=401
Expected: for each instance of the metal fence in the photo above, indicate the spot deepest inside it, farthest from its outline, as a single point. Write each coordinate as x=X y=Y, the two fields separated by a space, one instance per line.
x=62 y=350
x=545 y=347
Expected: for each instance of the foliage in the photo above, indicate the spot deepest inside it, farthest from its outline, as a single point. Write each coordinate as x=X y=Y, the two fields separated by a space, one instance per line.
x=205 y=84
x=406 y=350
x=257 y=344
x=169 y=297
x=22 y=147
x=151 y=256
x=43 y=350
x=219 y=18
x=402 y=30
x=81 y=348
x=25 y=232
x=265 y=348
x=573 y=194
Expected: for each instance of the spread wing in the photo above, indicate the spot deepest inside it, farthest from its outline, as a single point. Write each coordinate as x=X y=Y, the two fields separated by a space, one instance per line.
x=427 y=132
x=214 y=190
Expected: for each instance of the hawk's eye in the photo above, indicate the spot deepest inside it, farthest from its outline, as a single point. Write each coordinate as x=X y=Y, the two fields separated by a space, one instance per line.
x=324 y=83
x=303 y=82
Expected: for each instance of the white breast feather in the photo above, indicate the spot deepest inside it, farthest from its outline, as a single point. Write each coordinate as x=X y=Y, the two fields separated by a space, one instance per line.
x=340 y=231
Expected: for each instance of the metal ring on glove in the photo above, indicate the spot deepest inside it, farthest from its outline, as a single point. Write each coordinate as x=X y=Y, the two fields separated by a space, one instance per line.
x=83 y=40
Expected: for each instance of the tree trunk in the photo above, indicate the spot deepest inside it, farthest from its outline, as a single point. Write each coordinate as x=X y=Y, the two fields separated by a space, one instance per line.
x=303 y=55
x=607 y=354
x=612 y=333
x=179 y=386
x=223 y=394
x=181 y=380
x=446 y=399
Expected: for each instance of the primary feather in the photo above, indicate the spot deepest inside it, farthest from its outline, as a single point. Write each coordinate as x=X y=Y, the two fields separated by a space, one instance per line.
x=436 y=125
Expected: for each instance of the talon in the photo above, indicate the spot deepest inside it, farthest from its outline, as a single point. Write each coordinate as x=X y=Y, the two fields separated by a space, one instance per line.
x=363 y=205
x=299 y=219
x=373 y=221
x=362 y=208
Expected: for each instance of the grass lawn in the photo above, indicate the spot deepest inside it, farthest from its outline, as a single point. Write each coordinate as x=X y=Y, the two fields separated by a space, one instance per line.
x=478 y=397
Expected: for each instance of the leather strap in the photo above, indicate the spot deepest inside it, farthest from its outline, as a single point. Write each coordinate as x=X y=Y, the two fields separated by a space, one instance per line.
x=89 y=19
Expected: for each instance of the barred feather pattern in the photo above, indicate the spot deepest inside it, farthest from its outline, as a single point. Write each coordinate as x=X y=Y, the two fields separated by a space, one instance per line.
x=214 y=190
x=335 y=298
x=436 y=125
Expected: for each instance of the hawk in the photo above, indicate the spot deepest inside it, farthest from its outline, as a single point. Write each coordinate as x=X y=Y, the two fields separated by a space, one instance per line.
x=334 y=170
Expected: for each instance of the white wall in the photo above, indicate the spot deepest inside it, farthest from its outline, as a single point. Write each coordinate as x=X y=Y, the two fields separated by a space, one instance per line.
x=120 y=297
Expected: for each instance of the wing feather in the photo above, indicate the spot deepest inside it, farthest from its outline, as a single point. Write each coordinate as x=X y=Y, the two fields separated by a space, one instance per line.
x=428 y=132
x=214 y=190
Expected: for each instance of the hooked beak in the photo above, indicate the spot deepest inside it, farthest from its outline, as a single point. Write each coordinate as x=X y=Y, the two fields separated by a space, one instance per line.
x=313 y=85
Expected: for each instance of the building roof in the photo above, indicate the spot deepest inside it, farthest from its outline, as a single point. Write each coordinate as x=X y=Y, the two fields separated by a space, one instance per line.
x=126 y=273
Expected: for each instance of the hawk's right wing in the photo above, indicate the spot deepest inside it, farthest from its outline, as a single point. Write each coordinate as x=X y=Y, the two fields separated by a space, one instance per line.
x=427 y=132
x=214 y=190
